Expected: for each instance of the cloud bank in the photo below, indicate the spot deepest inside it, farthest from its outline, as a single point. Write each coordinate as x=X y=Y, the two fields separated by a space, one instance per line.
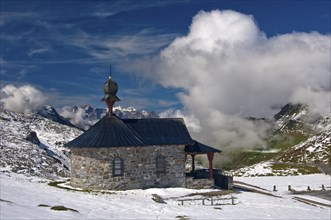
x=77 y=117
x=228 y=69
x=25 y=98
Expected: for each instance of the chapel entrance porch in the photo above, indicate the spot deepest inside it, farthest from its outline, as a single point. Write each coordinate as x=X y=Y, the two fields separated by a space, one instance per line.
x=206 y=177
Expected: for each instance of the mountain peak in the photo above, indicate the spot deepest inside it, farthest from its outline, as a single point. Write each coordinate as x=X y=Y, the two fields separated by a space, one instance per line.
x=87 y=108
x=85 y=116
x=290 y=109
x=48 y=111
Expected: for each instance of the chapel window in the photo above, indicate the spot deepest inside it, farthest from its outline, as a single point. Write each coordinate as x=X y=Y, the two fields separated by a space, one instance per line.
x=160 y=164
x=118 y=167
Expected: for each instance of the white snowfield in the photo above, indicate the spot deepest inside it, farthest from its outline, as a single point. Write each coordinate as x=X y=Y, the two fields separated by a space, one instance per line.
x=22 y=196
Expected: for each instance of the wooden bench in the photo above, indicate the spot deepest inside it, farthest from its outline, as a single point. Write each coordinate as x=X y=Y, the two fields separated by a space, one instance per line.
x=212 y=199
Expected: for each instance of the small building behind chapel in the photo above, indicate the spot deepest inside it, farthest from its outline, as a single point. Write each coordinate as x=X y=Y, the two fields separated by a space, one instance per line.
x=120 y=154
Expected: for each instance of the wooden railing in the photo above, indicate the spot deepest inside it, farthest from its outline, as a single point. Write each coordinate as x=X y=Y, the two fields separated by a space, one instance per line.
x=211 y=199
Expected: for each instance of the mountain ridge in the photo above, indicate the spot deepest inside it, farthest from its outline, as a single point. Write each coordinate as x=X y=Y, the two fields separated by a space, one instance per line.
x=32 y=143
x=300 y=141
x=85 y=116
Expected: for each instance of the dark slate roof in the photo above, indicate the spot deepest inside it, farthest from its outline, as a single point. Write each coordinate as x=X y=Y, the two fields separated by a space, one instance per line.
x=110 y=131
x=161 y=131
x=199 y=148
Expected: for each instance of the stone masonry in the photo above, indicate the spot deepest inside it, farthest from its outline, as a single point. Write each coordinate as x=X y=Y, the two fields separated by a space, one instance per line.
x=92 y=168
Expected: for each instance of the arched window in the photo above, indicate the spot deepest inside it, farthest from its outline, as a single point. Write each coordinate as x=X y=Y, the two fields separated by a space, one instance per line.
x=118 y=167
x=160 y=164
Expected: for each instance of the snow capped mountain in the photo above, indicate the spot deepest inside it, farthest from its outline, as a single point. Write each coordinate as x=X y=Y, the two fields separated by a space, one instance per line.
x=33 y=145
x=85 y=116
x=316 y=149
x=300 y=142
x=299 y=118
x=132 y=113
x=310 y=156
x=91 y=113
x=49 y=112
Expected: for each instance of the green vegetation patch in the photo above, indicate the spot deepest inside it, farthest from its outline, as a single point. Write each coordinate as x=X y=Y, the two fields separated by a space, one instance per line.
x=56 y=184
x=279 y=141
x=300 y=169
x=286 y=141
x=62 y=208
x=43 y=205
x=247 y=158
x=182 y=217
x=94 y=192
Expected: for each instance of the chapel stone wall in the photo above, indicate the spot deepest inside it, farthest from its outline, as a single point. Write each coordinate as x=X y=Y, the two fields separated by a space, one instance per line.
x=92 y=168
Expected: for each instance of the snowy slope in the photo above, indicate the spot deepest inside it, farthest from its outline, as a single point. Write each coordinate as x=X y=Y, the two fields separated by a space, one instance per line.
x=44 y=157
x=301 y=143
x=31 y=198
x=49 y=112
x=298 y=118
x=317 y=149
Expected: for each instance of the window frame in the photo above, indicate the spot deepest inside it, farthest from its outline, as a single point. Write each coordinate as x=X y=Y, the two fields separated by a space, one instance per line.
x=161 y=164
x=118 y=166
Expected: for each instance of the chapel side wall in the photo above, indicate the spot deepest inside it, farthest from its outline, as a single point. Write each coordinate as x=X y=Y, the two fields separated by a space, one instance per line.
x=92 y=168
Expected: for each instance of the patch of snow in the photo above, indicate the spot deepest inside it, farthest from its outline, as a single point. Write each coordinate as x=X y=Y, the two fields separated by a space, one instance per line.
x=265 y=151
x=21 y=197
x=298 y=183
x=263 y=168
x=49 y=159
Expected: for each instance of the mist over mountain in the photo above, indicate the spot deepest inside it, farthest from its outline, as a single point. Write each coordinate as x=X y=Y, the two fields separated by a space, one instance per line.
x=298 y=143
x=85 y=116
x=227 y=68
x=32 y=143
x=49 y=112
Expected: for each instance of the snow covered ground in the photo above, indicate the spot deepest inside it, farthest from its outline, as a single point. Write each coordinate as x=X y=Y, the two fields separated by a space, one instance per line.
x=22 y=196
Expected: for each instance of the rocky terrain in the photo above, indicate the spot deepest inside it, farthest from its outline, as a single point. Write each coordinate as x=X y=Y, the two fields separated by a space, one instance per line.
x=32 y=143
x=299 y=144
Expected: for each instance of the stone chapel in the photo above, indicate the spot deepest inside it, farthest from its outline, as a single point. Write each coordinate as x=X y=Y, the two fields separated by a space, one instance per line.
x=120 y=154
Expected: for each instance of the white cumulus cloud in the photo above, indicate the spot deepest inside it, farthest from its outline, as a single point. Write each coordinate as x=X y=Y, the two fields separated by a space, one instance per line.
x=77 y=117
x=22 y=98
x=191 y=121
x=228 y=69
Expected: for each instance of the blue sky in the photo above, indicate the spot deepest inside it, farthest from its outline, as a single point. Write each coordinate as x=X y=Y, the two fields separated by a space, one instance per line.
x=64 y=48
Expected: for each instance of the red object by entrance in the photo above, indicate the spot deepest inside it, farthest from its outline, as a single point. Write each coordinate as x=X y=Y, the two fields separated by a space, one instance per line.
x=210 y=159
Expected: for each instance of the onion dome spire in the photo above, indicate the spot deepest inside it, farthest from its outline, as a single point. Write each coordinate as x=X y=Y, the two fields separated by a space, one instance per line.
x=110 y=89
